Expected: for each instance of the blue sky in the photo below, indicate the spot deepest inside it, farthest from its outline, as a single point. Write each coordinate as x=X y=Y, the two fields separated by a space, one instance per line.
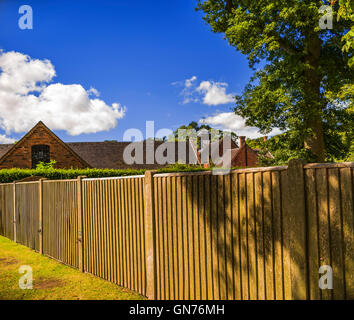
x=137 y=54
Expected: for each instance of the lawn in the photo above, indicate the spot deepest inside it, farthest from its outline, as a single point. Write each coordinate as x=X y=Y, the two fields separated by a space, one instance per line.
x=51 y=280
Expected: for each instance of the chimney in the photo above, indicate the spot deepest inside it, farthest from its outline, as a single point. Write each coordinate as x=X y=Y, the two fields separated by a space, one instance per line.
x=242 y=141
x=265 y=138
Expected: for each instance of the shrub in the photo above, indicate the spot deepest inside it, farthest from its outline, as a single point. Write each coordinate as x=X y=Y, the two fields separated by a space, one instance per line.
x=10 y=175
x=47 y=171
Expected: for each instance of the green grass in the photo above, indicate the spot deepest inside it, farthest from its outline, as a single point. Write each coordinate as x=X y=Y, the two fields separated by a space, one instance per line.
x=51 y=280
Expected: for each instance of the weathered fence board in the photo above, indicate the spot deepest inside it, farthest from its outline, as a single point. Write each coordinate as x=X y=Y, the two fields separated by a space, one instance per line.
x=27 y=214
x=114 y=231
x=6 y=210
x=60 y=221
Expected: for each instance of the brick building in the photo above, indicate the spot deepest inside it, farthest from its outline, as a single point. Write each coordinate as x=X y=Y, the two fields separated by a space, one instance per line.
x=40 y=144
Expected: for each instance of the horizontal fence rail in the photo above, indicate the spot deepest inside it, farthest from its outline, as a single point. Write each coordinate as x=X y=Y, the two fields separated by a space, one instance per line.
x=251 y=234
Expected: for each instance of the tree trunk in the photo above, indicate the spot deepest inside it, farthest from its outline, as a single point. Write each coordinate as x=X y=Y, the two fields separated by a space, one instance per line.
x=314 y=140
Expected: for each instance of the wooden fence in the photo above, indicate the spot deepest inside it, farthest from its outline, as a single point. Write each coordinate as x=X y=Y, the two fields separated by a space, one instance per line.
x=260 y=233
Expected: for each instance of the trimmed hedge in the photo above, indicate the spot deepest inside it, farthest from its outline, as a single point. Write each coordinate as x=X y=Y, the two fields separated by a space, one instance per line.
x=10 y=175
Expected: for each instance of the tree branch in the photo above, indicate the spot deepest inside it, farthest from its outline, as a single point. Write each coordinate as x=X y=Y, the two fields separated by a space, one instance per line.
x=286 y=46
x=229 y=6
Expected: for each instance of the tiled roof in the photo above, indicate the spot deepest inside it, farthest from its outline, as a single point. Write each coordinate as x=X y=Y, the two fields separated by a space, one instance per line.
x=4 y=148
x=109 y=154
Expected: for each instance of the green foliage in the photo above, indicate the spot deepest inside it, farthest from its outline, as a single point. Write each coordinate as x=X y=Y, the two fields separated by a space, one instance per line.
x=285 y=147
x=179 y=167
x=46 y=166
x=301 y=69
x=10 y=175
x=346 y=12
x=192 y=128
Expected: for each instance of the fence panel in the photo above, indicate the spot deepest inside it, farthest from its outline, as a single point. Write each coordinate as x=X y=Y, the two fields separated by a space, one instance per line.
x=27 y=214
x=60 y=212
x=114 y=230
x=329 y=194
x=236 y=236
x=6 y=210
x=220 y=237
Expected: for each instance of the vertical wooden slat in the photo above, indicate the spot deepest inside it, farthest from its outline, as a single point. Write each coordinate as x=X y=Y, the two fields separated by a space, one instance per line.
x=346 y=178
x=323 y=218
x=196 y=241
x=180 y=238
x=236 y=238
x=202 y=236
x=296 y=226
x=278 y=238
x=190 y=238
x=243 y=236
x=221 y=239
x=169 y=238
x=186 y=243
x=336 y=234
x=268 y=236
x=175 y=227
x=214 y=236
x=259 y=234
x=208 y=237
x=286 y=236
x=150 y=236
x=79 y=220
x=165 y=228
x=40 y=220
x=228 y=237
x=14 y=212
x=252 y=241
x=313 y=257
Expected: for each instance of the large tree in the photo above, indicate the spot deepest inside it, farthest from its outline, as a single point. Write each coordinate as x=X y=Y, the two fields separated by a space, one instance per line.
x=301 y=68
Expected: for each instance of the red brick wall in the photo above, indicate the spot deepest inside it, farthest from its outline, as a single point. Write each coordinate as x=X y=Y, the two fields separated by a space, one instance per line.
x=244 y=153
x=21 y=157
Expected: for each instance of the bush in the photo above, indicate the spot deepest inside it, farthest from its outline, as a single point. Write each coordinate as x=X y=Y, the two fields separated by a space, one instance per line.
x=10 y=175
x=46 y=171
x=179 y=167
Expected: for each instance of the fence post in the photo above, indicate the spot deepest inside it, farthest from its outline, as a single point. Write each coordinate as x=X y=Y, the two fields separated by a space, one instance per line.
x=150 y=239
x=40 y=230
x=14 y=212
x=296 y=228
x=79 y=223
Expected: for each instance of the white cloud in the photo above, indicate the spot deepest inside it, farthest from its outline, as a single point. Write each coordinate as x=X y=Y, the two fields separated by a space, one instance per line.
x=28 y=95
x=215 y=93
x=231 y=121
x=4 y=139
x=189 y=82
x=207 y=92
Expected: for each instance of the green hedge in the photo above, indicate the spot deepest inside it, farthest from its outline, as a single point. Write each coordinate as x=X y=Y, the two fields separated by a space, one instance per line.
x=10 y=175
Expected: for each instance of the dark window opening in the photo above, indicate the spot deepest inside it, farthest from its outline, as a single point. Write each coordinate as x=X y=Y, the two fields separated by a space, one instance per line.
x=40 y=153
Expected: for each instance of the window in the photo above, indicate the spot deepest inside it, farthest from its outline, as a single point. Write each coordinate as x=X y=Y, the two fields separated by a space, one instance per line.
x=40 y=153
